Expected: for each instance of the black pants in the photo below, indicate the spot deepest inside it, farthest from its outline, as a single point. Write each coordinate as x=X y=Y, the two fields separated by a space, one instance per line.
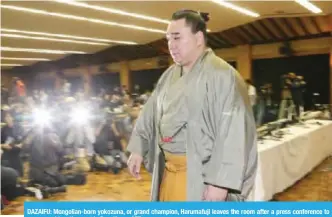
x=46 y=178
x=55 y=179
x=13 y=160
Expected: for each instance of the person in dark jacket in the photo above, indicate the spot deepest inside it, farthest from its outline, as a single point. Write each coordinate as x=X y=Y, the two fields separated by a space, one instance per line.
x=9 y=180
x=10 y=144
x=108 y=145
x=46 y=158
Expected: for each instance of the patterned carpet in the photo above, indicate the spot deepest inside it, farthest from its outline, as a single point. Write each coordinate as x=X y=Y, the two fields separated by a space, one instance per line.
x=102 y=186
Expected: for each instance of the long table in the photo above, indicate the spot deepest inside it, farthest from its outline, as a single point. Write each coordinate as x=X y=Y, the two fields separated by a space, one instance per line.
x=282 y=163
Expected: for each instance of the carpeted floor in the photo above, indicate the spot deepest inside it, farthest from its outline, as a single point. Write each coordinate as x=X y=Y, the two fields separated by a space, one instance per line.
x=102 y=186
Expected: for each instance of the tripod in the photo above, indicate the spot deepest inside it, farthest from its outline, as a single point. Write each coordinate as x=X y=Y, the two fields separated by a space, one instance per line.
x=287 y=109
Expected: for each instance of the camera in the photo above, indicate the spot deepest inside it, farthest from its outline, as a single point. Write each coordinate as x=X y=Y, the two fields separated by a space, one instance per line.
x=292 y=81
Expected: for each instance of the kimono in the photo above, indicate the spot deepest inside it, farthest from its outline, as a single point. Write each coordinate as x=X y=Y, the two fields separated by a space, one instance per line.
x=220 y=132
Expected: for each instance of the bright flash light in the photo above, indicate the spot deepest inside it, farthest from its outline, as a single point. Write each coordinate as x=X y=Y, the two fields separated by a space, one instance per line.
x=80 y=115
x=41 y=117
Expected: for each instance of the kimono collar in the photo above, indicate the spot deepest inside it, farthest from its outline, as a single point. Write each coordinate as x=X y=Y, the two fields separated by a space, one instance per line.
x=201 y=59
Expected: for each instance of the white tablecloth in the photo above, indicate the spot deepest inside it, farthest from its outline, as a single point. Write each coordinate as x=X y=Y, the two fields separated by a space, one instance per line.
x=282 y=163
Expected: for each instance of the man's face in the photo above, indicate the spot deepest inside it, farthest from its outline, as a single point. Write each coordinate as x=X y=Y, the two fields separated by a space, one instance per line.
x=134 y=113
x=182 y=43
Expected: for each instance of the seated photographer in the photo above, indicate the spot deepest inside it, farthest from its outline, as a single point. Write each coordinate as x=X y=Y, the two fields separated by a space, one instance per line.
x=108 y=145
x=10 y=144
x=81 y=137
x=9 y=181
x=11 y=187
x=46 y=158
x=47 y=161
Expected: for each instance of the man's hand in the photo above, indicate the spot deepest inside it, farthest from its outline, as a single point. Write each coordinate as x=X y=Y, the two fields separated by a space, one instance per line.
x=212 y=193
x=19 y=145
x=134 y=165
x=6 y=146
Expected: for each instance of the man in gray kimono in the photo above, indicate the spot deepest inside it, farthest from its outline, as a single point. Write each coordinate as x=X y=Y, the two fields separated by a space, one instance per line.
x=200 y=109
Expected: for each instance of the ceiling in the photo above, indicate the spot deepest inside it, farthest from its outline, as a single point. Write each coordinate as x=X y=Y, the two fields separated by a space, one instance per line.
x=277 y=21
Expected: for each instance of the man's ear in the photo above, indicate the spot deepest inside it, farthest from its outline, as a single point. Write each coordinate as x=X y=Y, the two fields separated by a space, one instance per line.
x=200 y=38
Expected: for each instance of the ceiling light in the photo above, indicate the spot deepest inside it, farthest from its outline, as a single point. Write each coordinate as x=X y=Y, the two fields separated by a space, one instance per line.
x=10 y=64
x=40 y=50
x=236 y=8
x=67 y=36
x=51 y=39
x=112 y=11
x=311 y=7
x=24 y=59
x=73 y=17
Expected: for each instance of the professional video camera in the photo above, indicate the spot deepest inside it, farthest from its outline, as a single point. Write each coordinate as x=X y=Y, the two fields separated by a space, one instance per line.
x=291 y=81
x=285 y=80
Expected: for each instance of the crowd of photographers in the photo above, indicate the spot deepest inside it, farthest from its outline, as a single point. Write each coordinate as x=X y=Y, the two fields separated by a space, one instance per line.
x=54 y=140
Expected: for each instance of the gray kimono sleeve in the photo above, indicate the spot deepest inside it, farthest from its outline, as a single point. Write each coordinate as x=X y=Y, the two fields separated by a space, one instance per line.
x=144 y=130
x=227 y=165
x=142 y=140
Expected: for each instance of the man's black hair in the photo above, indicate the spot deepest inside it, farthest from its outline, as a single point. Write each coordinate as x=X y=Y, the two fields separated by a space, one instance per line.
x=195 y=19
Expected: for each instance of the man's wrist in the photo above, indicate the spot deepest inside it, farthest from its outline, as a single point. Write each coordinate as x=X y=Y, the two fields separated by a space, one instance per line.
x=215 y=186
